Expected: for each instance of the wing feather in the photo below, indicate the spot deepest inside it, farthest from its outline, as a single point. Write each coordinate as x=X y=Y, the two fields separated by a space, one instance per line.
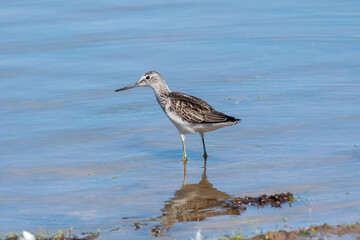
x=196 y=110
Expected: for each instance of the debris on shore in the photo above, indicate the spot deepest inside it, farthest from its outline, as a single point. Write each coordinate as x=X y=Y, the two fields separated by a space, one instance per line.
x=274 y=200
x=314 y=232
x=60 y=236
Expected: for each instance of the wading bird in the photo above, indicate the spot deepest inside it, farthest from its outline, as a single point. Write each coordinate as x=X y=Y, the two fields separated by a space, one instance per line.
x=189 y=114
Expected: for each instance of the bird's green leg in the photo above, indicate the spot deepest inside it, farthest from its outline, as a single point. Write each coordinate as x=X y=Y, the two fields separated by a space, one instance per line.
x=183 y=145
x=185 y=181
x=203 y=142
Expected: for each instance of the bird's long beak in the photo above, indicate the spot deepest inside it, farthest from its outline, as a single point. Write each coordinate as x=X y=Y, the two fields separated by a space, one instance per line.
x=127 y=87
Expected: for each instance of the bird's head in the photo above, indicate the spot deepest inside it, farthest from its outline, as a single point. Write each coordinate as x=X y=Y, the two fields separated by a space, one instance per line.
x=148 y=79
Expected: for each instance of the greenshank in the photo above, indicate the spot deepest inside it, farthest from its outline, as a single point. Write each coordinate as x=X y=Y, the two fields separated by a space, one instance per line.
x=189 y=114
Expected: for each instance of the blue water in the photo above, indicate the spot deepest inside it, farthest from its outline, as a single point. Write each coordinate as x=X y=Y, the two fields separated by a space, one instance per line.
x=74 y=153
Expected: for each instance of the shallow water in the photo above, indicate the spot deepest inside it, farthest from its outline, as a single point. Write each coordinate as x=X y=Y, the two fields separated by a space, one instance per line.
x=74 y=153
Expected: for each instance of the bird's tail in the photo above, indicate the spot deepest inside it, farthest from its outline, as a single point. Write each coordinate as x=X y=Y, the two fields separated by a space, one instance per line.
x=232 y=119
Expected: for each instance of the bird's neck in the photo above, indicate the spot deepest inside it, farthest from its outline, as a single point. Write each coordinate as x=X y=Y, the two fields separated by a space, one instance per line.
x=161 y=91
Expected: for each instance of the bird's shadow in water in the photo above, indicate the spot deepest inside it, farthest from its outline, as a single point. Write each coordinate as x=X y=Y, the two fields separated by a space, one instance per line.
x=195 y=202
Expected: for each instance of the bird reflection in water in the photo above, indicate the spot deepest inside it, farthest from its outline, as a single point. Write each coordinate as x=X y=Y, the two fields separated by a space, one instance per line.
x=196 y=202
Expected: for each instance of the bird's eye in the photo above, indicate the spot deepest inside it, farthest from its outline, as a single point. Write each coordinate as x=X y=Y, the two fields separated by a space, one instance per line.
x=147 y=77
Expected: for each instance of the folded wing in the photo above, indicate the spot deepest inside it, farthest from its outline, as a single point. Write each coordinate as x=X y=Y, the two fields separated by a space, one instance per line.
x=195 y=110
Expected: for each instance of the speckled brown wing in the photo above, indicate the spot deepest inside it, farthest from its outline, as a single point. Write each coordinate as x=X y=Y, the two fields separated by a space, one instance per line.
x=195 y=110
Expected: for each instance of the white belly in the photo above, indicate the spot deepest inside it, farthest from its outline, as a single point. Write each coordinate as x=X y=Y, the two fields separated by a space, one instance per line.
x=185 y=127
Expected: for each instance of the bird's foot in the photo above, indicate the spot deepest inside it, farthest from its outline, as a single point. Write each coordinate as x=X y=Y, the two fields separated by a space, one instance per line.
x=205 y=156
